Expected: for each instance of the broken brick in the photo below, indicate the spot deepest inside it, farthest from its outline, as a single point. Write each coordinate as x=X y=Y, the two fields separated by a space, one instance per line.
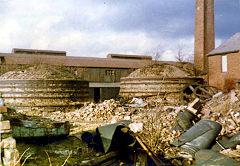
x=5 y=125
x=3 y=109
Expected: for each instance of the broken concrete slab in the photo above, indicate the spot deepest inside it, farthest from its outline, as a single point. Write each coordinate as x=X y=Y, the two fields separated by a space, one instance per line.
x=11 y=153
x=5 y=125
x=9 y=143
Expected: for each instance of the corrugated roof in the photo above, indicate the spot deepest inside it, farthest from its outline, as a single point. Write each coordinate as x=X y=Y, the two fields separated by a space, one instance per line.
x=231 y=45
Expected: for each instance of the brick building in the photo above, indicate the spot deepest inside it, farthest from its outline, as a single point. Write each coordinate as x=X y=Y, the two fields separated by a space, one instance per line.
x=224 y=64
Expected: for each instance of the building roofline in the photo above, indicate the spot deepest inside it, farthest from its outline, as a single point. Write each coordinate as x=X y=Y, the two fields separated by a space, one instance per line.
x=126 y=56
x=77 y=61
x=222 y=53
x=37 y=52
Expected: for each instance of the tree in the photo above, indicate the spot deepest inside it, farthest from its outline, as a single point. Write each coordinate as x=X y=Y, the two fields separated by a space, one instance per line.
x=182 y=56
x=156 y=53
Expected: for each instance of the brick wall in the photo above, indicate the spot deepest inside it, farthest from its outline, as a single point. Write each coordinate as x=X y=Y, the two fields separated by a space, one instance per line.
x=224 y=80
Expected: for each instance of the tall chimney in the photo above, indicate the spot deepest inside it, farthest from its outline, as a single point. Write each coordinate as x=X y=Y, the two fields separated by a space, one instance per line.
x=204 y=33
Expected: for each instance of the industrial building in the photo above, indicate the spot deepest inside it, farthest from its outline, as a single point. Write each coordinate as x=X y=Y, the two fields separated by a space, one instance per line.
x=103 y=74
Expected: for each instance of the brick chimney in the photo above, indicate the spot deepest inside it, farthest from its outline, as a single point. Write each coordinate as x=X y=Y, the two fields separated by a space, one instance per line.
x=204 y=33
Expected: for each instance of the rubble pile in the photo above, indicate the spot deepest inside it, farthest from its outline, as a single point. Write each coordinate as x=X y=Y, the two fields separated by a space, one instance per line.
x=40 y=71
x=160 y=125
x=225 y=110
x=157 y=121
x=94 y=112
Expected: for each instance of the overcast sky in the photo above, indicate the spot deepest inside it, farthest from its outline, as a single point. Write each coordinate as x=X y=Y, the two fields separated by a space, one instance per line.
x=94 y=28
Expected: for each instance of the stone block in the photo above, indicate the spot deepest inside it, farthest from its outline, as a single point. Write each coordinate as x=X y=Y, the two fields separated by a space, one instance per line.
x=3 y=109
x=5 y=125
x=5 y=131
x=11 y=154
x=10 y=162
x=9 y=142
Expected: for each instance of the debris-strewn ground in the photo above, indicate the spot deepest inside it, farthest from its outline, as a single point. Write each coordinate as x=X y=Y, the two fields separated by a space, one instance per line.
x=158 y=120
x=225 y=110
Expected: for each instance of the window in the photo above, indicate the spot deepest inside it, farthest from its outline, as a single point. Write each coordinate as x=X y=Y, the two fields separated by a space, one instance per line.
x=224 y=63
x=110 y=72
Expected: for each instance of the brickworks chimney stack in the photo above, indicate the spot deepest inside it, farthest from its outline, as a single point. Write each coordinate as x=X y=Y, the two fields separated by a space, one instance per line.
x=204 y=33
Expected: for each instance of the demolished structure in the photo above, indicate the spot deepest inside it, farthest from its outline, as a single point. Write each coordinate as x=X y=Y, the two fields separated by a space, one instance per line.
x=165 y=111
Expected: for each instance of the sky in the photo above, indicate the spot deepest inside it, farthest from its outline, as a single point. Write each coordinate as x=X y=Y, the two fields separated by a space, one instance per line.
x=95 y=28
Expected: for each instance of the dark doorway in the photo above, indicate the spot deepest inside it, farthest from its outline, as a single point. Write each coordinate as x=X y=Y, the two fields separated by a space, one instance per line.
x=96 y=95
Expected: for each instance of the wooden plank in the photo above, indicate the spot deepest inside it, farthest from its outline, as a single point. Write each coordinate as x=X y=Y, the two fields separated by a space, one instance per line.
x=99 y=160
x=155 y=159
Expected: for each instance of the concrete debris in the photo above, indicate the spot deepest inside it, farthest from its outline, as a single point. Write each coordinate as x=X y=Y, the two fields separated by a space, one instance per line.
x=156 y=122
x=137 y=102
x=136 y=127
x=109 y=110
x=217 y=94
x=7 y=142
x=94 y=112
x=5 y=125
x=224 y=110
x=238 y=147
